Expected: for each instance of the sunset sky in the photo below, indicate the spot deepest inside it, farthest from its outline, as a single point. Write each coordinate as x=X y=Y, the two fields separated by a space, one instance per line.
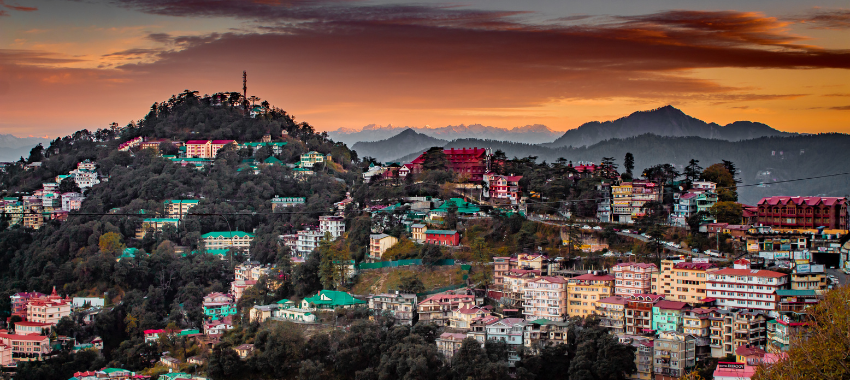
x=69 y=65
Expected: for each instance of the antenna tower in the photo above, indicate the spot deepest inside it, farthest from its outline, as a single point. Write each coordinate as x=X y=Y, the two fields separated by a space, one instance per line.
x=244 y=84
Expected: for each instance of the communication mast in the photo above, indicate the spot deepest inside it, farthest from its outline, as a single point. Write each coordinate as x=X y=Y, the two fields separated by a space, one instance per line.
x=244 y=92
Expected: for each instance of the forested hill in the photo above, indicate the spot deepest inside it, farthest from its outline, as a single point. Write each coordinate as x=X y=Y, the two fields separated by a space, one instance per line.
x=73 y=257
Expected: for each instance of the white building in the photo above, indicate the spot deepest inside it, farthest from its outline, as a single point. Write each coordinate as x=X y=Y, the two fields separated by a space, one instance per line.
x=744 y=288
x=309 y=239
x=333 y=224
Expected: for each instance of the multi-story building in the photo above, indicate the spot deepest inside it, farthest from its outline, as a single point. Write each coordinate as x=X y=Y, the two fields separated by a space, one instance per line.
x=311 y=158
x=612 y=313
x=470 y=162
x=502 y=186
x=669 y=315
x=797 y=300
x=742 y=288
x=308 y=240
x=378 y=244
x=639 y=313
x=279 y=203
x=237 y=287
x=803 y=212
x=20 y=300
x=545 y=298
x=697 y=323
x=205 y=148
x=449 y=343
x=218 y=305
x=332 y=224
x=629 y=198
x=682 y=281
x=179 y=208
x=730 y=330
x=462 y=318
x=808 y=277
x=417 y=232
x=644 y=352
x=783 y=329
x=25 y=348
x=501 y=266
x=437 y=309
x=48 y=310
x=72 y=201
x=33 y=219
x=513 y=286
x=542 y=333
x=442 y=237
x=155 y=225
x=226 y=240
x=15 y=211
x=675 y=354
x=510 y=331
x=633 y=278
x=402 y=307
x=583 y=292
x=251 y=270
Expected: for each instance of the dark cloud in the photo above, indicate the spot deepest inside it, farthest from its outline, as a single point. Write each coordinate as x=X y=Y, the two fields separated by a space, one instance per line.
x=163 y=38
x=827 y=19
x=133 y=53
x=16 y=8
x=840 y=108
x=3 y=13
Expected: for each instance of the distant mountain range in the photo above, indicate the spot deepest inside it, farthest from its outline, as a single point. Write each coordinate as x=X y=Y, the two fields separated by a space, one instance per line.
x=531 y=134
x=664 y=121
x=13 y=148
x=404 y=143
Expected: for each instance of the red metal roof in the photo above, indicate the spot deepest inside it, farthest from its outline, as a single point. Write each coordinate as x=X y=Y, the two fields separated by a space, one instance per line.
x=670 y=305
x=694 y=266
x=593 y=277
x=809 y=201
x=197 y=142
x=749 y=272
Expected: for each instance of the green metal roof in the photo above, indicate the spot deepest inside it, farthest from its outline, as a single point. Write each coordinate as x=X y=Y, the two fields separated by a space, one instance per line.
x=271 y=160
x=791 y=292
x=227 y=234
x=333 y=298
x=441 y=232
x=161 y=220
x=463 y=207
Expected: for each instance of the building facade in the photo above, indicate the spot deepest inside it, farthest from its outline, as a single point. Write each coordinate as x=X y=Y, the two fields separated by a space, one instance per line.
x=803 y=212
x=682 y=281
x=633 y=278
x=583 y=292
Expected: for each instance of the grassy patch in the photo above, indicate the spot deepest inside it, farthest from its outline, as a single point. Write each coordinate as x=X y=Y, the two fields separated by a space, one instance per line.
x=387 y=279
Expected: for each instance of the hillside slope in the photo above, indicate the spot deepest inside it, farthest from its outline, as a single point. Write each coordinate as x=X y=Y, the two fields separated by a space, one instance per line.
x=399 y=145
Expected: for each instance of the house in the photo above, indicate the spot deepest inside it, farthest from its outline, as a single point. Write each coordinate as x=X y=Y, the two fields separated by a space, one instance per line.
x=502 y=187
x=26 y=327
x=311 y=158
x=782 y=330
x=169 y=362
x=449 y=343
x=217 y=327
x=417 y=232
x=196 y=360
x=218 y=305
x=294 y=314
x=791 y=300
x=332 y=224
x=49 y=309
x=237 y=287
x=543 y=332
x=697 y=323
x=633 y=278
x=442 y=237
x=436 y=309
x=152 y=336
x=179 y=208
x=803 y=212
x=585 y=290
x=629 y=197
x=458 y=205
x=244 y=350
x=545 y=298
x=514 y=284
x=279 y=202
x=510 y=331
x=463 y=318
x=402 y=307
x=644 y=346
x=330 y=300
x=732 y=329
x=380 y=243
x=227 y=239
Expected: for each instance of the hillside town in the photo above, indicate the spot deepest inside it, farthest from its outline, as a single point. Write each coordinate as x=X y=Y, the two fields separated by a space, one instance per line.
x=461 y=245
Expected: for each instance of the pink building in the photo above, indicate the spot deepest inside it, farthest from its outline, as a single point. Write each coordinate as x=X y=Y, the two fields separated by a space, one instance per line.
x=633 y=278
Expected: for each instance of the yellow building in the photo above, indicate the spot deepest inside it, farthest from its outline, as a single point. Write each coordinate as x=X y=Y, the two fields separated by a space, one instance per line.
x=417 y=232
x=584 y=291
x=682 y=281
x=178 y=208
x=612 y=313
x=380 y=243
